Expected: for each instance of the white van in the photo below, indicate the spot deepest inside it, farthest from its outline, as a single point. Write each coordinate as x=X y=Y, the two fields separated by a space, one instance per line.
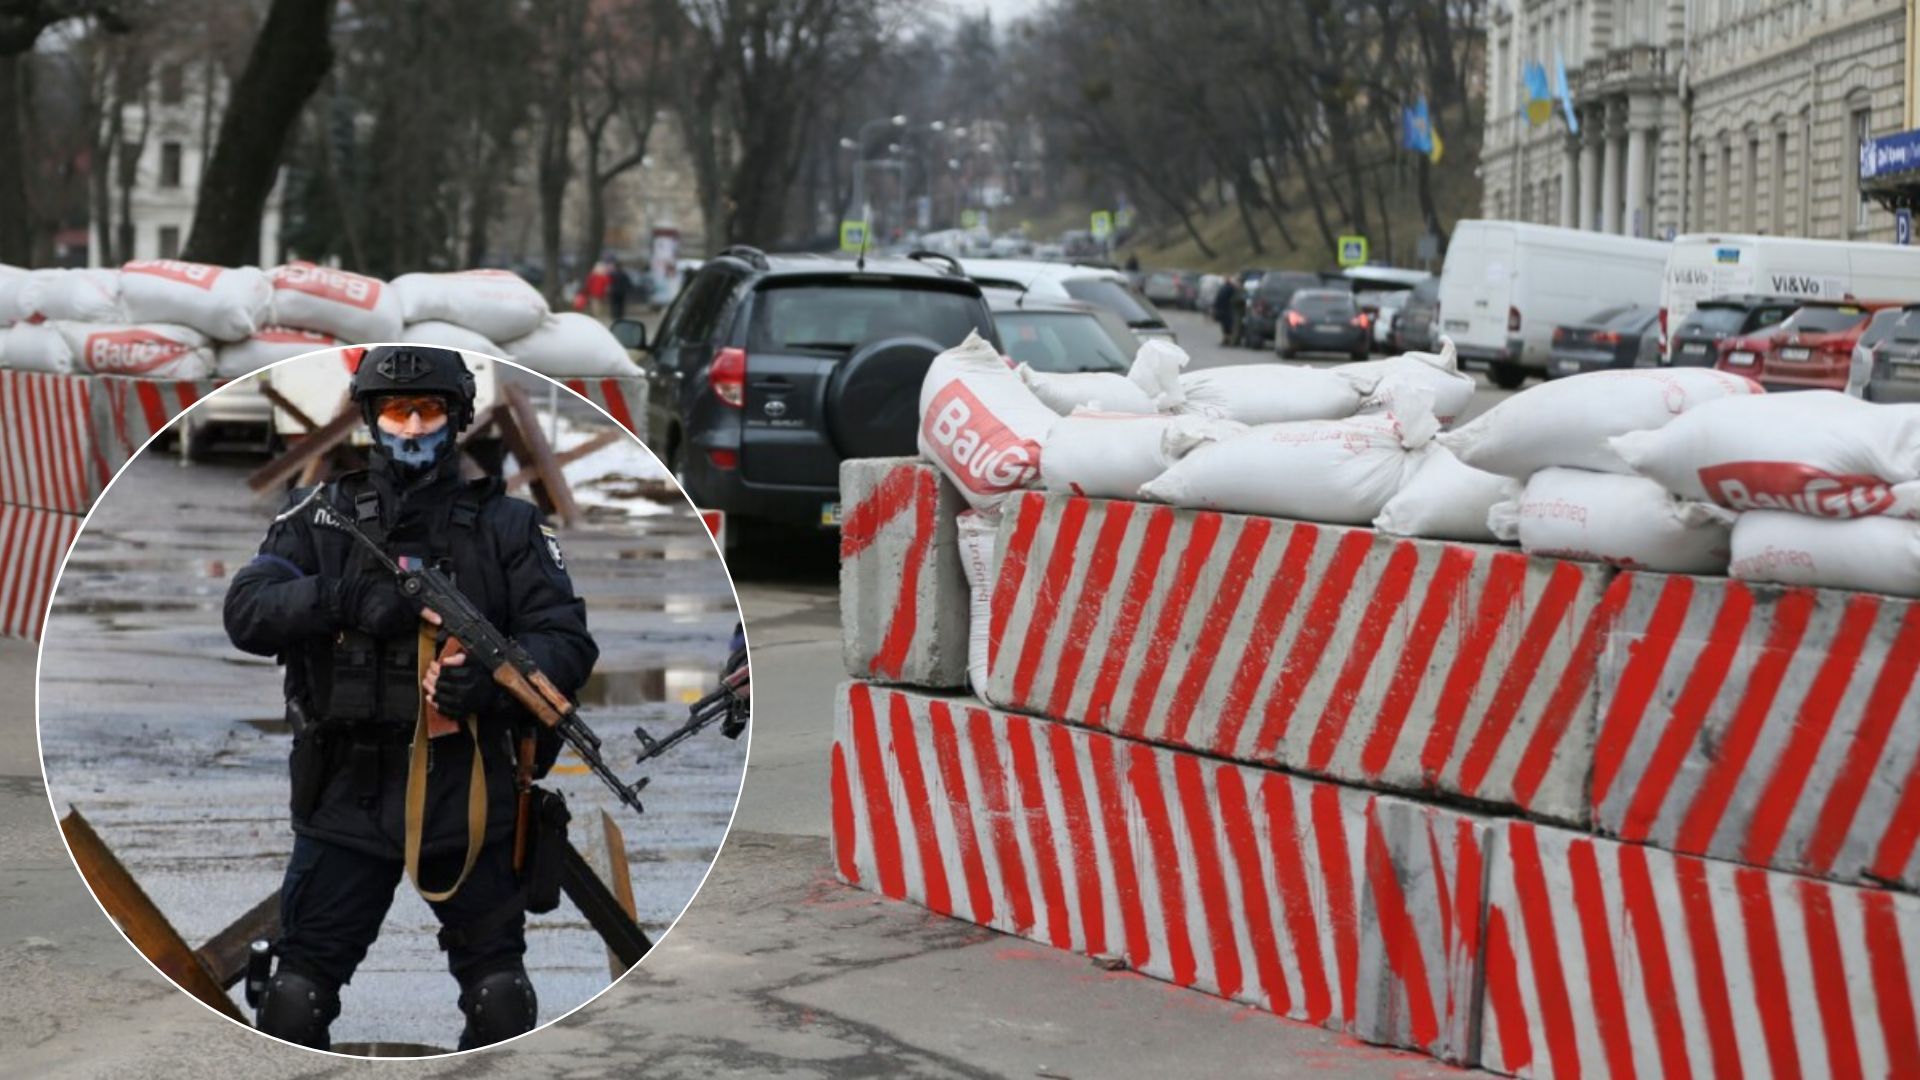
x=1506 y=284
x=1706 y=265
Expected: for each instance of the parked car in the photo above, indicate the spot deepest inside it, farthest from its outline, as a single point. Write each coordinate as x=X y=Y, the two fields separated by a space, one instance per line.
x=1267 y=300
x=1209 y=288
x=1189 y=289
x=1414 y=329
x=1695 y=342
x=1718 y=264
x=1507 y=284
x=1163 y=288
x=1888 y=367
x=769 y=370
x=1620 y=336
x=1061 y=335
x=1811 y=349
x=1322 y=320
x=1070 y=281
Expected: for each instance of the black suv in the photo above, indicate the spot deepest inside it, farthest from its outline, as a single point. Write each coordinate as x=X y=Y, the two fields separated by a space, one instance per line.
x=769 y=370
x=1695 y=340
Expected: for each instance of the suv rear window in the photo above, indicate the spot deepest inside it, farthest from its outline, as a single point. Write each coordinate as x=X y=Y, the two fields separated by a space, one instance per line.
x=1114 y=296
x=1825 y=320
x=1061 y=341
x=1713 y=320
x=842 y=316
x=1323 y=305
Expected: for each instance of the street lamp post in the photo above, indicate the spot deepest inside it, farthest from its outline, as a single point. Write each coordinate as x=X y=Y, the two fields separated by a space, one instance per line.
x=859 y=146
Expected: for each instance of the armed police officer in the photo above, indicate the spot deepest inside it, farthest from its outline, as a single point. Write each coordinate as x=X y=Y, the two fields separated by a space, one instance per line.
x=404 y=757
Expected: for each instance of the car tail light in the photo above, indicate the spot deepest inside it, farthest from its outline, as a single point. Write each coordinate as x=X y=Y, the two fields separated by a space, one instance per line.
x=728 y=377
x=1559 y=334
x=1360 y=320
x=1663 y=331
x=1606 y=337
x=1294 y=318
x=1513 y=320
x=724 y=459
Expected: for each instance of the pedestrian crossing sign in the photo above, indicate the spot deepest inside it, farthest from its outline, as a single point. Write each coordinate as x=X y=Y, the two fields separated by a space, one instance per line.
x=1353 y=251
x=853 y=236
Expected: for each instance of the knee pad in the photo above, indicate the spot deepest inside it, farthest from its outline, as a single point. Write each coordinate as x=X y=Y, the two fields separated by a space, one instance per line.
x=298 y=1008
x=498 y=1005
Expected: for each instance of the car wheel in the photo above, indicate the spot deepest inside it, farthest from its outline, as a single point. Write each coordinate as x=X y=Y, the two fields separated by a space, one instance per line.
x=1508 y=376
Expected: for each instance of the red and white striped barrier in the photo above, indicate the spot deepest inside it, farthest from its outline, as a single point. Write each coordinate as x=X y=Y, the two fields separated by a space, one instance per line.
x=624 y=398
x=903 y=596
x=1326 y=904
x=1613 y=959
x=128 y=411
x=50 y=457
x=32 y=543
x=1767 y=725
x=1341 y=652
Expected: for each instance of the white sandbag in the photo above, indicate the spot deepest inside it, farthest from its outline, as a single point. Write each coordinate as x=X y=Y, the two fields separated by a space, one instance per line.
x=268 y=345
x=1156 y=371
x=1110 y=455
x=1439 y=372
x=1625 y=521
x=1106 y=391
x=980 y=425
x=496 y=304
x=91 y=295
x=1816 y=452
x=1567 y=422
x=1341 y=471
x=36 y=346
x=147 y=350
x=13 y=280
x=1446 y=499
x=976 y=532
x=1268 y=394
x=448 y=336
x=1876 y=554
x=226 y=303
x=351 y=307
x=572 y=344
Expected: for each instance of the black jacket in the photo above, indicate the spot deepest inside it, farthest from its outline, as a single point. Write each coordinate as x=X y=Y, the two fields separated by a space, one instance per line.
x=503 y=559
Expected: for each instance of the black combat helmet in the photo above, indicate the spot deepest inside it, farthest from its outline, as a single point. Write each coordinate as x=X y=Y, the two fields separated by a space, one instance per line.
x=414 y=369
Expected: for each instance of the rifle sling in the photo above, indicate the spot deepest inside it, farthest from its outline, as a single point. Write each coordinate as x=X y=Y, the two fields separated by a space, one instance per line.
x=417 y=786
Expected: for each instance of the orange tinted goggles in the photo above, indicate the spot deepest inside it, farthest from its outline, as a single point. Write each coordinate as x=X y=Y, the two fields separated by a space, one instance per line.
x=398 y=409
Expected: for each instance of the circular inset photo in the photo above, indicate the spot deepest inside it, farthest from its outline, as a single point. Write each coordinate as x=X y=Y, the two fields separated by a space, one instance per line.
x=393 y=701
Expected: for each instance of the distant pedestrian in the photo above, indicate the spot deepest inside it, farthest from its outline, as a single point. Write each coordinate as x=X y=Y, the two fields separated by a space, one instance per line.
x=617 y=289
x=599 y=280
x=1133 y=263
x=1226 y=308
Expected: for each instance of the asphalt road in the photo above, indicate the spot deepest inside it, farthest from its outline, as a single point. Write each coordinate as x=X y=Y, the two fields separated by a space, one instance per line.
x=775 y=969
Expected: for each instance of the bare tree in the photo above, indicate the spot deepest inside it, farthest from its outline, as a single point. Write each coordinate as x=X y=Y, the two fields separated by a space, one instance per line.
x=627 y=75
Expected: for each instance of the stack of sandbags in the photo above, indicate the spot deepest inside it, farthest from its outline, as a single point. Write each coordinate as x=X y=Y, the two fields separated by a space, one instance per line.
x=1581 y=499
x=572 y=345
x=469 y=309
x=1379 y=380
x=1826 y=487
x=91 y=295
x=1111 y=455
x=1443 y=498
x=1261 y=394
x=148 y=350
x=345 y=306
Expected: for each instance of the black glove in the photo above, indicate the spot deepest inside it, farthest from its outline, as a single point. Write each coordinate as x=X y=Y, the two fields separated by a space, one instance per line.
x=374 y=603
x=464 y=690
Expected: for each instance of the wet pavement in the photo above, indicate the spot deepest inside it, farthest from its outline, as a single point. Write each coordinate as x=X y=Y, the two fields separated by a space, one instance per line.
x=172 y=742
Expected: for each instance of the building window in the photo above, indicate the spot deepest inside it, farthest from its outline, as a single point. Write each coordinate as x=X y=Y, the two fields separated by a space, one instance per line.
x=170 y=164
x=1750 y=183
x=169 y=241
x=1726 y=187
x=1862 y=128
x=1778 y=188
x=173 y=84
x=1700 y=218
x=1806 y=171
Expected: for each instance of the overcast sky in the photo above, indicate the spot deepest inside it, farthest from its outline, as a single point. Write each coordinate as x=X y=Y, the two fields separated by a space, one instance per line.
x=1004 y=11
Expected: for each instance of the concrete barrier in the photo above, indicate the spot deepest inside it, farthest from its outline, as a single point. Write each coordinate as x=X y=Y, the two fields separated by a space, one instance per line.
x=1767 y=725
x=1413 y=664
x=50 y=453
x=1605 y=958
x=1327 y=904
x=625 y=399
x=903 y=596
x=128 y=411
x=32 y=544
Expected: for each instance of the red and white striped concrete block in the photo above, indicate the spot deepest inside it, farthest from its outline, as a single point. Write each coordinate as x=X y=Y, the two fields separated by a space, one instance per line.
x=1307 y=899
x=623 y=397
x=1613 y=959
x=1767 y=725
x=50 y=457
x=1341 y=652
x=903 y=595
x=129 y=411
x=32 y=544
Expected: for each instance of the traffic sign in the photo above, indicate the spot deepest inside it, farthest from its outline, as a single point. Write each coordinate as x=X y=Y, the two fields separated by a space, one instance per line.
x=1102 y=224
x=853 y=236
x=968 y=219
x=1903 y=226
x=1353 y=251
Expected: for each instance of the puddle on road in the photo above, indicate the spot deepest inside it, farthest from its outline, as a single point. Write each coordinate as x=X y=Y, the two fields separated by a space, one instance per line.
x=211 y=569
x=666 y=605
x=101 y=606
x=675 y=685
x=272 y=725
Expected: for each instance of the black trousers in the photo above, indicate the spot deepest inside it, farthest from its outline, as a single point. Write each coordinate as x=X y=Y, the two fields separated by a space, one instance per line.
x=334 y=899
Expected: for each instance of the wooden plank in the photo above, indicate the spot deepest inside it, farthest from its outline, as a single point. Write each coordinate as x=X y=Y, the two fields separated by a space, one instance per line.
x=540 y=454
x=516 y=443
x=617 y=928
x=280 y=400
x=225 y=954
x=622 y=876
x=570 y=455
x=130 y=907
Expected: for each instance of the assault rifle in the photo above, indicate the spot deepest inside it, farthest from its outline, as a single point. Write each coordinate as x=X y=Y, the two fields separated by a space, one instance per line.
x=509 y=664
x=726 y=703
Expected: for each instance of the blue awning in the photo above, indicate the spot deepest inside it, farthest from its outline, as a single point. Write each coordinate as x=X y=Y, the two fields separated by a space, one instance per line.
x=1888 y=156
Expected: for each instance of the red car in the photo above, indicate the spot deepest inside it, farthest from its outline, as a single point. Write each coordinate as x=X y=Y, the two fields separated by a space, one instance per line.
x=1811 y=350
